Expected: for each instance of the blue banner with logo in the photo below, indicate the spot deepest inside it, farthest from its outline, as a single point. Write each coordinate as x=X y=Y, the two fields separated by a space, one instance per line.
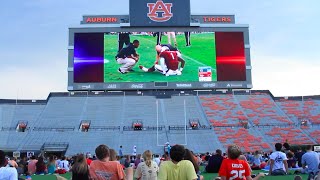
x=159 y=12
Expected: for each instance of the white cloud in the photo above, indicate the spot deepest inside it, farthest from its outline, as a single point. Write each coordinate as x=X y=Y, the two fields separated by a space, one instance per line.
x=32 y=82
x=286 y=76
x=295 y=35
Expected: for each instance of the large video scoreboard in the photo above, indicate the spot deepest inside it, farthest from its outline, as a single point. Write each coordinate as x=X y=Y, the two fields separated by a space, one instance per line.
x=216 y=51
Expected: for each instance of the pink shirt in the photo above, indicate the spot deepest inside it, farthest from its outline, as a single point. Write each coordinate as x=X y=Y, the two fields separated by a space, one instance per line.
x=32 y=166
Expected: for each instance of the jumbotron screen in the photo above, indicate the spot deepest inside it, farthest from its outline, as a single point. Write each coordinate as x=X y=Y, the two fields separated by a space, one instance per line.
x=203 y=57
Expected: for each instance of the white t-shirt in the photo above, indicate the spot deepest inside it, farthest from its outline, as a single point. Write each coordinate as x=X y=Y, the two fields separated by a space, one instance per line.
x=157 y=160
x=278 y=158
x=8 y=173
x=64 y=165
x=147 y=173
x=134 y=152
x=58 y=161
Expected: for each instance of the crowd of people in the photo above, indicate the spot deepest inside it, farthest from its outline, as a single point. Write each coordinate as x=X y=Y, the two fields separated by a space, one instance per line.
x=277 y=163
x=178 y=163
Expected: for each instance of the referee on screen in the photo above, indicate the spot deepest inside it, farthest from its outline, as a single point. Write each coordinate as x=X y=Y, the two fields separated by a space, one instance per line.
x=159 y=36
x=187 y=36
x=123 y=38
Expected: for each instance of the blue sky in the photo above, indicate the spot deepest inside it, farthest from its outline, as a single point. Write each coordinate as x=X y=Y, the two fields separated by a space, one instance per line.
x=284 y=37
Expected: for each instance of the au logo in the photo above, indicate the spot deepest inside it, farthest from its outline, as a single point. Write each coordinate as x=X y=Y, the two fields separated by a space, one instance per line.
x=160 y=11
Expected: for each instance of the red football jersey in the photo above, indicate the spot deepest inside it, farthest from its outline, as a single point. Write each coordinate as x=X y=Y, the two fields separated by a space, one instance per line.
x=234 y=169
x=171 y=59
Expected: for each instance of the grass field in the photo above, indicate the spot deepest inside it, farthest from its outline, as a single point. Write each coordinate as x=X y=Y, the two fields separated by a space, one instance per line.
x=201 y=53
x=207 y=176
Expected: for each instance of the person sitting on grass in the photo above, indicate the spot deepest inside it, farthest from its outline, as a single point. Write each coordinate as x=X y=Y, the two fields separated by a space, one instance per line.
x=291 y=160
x=23 y=165
x=41 y=167
x=278 y=162
x=297 y=177
x=234 y=168
x=264 y=164
x=52 y=166
x=298 y=156
x=113 y=155
x=13 y=162
x=257 y=159
x=215 y=162
x=310 y=162
x=286 y=147
x=177 y=168
x=80 y=168
x=243 y=157
x=32 y=165
x=189 y=156
x=137 y=160
x=148 y=169
x=103 y=168
x=157 y=159
x=5 y=171
x=88 y=158
x=64 y=164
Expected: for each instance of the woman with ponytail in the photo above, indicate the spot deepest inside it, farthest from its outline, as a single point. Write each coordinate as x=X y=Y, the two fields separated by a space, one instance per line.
x=80 y=169
x=148 y=169
x=188 y=155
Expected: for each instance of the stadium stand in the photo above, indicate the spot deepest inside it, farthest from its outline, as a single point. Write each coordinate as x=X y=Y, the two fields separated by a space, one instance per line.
x=255 y=120
x=6 y=115
x=86 y=142
x=27 y=113
x=145 y=110
x=103 y=111
x=143 y=140
x=197 y=140
x=3 y=140
x=61 y=112
x=290 y=134
x=301 y=109
x=262 y=110
x=292 y=108
x=313 y=132
x=35 y=139
x=235 y=135
x=173 y=109
x=222 y=110
x=10 y=116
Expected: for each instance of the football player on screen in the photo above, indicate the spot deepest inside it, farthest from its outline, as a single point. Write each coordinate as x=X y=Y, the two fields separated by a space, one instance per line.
x=128 y=57
x=168 y=63
x=173 y=36
x=163 y=47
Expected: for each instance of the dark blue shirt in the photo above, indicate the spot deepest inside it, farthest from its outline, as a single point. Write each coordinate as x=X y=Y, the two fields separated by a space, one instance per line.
x=171 y=48
x=126 y=51
x=214 y=163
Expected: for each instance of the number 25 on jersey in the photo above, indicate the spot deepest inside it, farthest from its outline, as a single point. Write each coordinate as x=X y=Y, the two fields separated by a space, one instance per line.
x=237 y=174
